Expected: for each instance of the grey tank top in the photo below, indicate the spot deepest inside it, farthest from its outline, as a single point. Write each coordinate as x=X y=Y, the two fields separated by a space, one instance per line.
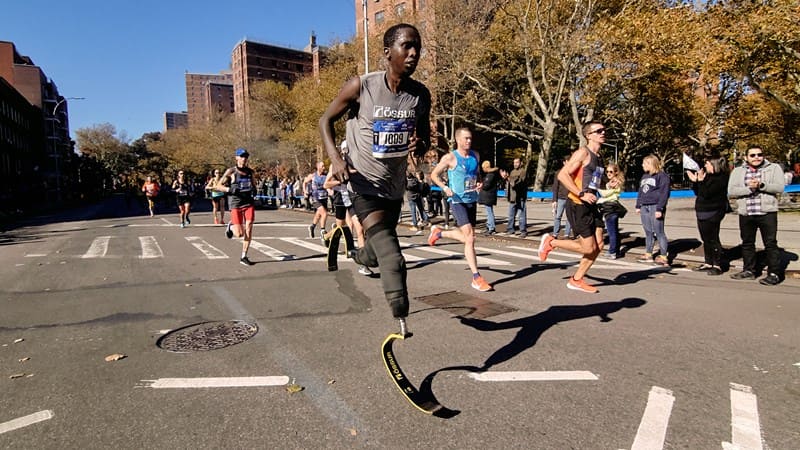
x=378 y=135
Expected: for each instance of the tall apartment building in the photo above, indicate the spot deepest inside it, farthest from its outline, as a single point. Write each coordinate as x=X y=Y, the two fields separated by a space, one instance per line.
x=51 y=145
x=254 y=61
x=380 y=12
x=218 y=98
x=175 y=120
x=197 y=98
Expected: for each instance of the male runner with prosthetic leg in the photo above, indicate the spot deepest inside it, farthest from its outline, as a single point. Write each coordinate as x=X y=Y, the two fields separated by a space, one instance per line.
x=388 y=122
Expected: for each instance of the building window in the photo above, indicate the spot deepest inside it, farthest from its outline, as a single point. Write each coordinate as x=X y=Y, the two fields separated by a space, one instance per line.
x=400 y=9
x=379 y=17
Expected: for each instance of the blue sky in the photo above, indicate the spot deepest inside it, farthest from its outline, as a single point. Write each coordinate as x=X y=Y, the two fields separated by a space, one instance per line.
x=128 y=58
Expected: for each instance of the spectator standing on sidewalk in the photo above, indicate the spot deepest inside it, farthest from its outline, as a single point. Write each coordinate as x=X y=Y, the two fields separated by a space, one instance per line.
x=488 y=195
x=755 y=185
x=560 y=193
x=651 y=205
x=611 y=208
x=517 y=194
x=414 y=193
x=710 y=186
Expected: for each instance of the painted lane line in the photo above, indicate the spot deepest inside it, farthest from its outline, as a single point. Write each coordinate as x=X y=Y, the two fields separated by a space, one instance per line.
x=482 y=261
x=35 y=255
x=21 y=422
x=653 y=427
x=168 y=222
x=150 y=248
x=745 y=424
x=545 y=375
x=308 y=245
x=218 y=382
x=98 y=248
x=273 y=253
x=495 y=251
x=207 y=249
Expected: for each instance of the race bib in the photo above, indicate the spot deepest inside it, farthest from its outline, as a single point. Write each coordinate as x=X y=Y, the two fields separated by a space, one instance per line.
x=245 y=185
x=390 y=138
x=470 y=184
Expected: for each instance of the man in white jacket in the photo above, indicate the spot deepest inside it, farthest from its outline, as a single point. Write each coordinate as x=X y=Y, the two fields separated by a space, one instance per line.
x=755 y=186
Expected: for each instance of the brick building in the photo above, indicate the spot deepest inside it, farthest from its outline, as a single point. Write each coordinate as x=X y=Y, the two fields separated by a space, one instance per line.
x=175 y=120
x=45 y=156
x=254 y=61
x=200 y=105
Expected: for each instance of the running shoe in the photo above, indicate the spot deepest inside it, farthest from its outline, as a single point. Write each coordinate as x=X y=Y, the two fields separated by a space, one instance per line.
x=325 y=242
x=545 y=247
x=228 y=231
x=436 y=234
x=703 y=268
x=414 y=228
x=580 y=285
x=188 y=222
x=480 y=284
x=770 y=280
x=661 y=260
x=608 y=256
x=646 y=258
x=245 y=261
x=364 y=270
x=183 y=225
x=311 y=231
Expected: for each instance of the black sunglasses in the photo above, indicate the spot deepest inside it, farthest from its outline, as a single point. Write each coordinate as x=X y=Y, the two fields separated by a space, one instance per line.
x=599 y=131
x=756 y=155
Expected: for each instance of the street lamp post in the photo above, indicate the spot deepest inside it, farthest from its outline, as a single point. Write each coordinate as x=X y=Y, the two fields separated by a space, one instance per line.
x=366 y=42
x=56 y=140
x=496 y=140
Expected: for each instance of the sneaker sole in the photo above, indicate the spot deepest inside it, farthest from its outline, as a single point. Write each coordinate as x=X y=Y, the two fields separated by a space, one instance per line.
x=578 y=288
x=478 y=288
x=543 y=257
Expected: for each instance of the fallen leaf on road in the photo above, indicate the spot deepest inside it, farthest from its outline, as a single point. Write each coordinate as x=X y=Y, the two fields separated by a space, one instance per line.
x=16 y=375
x=188 y=284
x=17 y=341
x=353 y=432
x=115 y=357
x=331 y=381
x=294 y=388
x=24 y=359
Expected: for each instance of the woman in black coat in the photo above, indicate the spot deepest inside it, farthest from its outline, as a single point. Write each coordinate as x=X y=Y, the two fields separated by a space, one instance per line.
x=488 y=195
x=710 y=185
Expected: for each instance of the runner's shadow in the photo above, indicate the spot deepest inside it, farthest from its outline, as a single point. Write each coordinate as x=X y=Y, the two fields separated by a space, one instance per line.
x=632 y=277
x=531 y=328
x=530 y=270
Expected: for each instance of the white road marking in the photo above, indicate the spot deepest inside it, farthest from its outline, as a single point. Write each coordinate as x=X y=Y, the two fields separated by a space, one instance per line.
x=35 y=255
x=482 y=261
x=653 y=427
x=558 y=375
x=308 y=245
x=21 y=422
x=192 y=383
x=167 y=221
x=150 y=248
x=273 y=253
x=99 y=247
x=745 y=424
x=209 y=250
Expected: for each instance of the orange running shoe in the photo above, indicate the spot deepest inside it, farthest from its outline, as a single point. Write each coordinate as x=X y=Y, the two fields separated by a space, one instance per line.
x=580 y=285
x=436 y=234
x=545 y=247
x=481 y=284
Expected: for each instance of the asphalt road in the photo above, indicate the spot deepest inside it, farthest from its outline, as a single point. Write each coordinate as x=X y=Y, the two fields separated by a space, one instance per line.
x=659 y=358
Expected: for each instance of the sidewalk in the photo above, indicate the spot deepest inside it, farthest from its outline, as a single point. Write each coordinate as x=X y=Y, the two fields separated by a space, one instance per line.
x=681 y=228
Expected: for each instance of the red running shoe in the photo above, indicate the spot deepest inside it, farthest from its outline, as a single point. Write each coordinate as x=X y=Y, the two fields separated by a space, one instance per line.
x=545 y=247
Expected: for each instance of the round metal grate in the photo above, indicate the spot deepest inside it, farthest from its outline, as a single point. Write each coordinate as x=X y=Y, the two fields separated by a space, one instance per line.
x=207 y=336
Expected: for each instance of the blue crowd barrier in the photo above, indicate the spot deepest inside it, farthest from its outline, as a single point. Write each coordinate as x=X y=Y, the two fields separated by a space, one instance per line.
x=681 y=193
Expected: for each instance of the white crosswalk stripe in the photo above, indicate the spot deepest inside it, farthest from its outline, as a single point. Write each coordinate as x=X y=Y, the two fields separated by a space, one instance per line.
x=482 y=260
x=273 y=253
x=207 y=249
x=99 y=247
x=150 y=248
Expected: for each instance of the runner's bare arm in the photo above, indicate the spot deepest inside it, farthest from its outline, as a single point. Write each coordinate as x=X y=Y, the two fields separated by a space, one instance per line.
x=345 y=100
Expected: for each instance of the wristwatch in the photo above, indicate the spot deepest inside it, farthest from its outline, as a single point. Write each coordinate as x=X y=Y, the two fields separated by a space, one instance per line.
x=581 y=194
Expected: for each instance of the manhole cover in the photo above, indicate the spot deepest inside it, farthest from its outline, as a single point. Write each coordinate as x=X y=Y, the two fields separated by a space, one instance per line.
x=207 y=336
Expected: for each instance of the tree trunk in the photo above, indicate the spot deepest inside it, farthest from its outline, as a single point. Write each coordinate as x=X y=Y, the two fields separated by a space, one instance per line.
x=544 y=155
